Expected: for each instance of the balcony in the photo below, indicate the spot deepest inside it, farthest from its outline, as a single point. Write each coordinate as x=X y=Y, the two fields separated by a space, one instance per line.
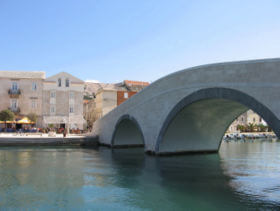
x=14 y=93
x=15 y=110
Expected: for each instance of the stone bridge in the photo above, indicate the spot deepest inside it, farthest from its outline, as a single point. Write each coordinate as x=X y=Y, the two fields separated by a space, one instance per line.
x=190 y=110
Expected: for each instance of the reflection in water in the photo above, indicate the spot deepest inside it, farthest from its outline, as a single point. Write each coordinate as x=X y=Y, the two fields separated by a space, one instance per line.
x=255 y=168
x=242 y=175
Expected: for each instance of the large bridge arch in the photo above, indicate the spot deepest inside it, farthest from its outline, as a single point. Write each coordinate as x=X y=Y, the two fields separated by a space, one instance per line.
x=127 y=132
x=198 y=122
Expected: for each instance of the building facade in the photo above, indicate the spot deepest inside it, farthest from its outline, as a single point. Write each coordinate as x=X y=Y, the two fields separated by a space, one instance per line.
x=89 y=114
x=63 y=101
x=105 y=101
x=101 y=98
x=110 y=96
x=55 y=100
x=21 y=92
x=249 y=117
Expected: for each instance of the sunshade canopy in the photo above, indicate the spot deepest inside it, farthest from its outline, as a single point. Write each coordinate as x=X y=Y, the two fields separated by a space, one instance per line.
x=25 y=120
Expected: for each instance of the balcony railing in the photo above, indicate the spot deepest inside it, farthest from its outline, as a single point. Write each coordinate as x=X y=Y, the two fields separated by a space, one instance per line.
x=14 y=92
x=15 y=110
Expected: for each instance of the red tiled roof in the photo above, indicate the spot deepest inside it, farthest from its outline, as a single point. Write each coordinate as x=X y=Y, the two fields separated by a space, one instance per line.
x=136 y=83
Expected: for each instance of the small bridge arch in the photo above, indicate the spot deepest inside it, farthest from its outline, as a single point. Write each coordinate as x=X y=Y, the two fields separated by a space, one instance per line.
x=127 y=133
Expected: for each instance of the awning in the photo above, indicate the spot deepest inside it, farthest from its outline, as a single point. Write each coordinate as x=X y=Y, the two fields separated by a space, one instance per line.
x=25 y=120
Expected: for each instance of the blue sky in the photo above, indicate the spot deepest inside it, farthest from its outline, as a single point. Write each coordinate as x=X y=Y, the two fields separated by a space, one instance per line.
x=110 y=41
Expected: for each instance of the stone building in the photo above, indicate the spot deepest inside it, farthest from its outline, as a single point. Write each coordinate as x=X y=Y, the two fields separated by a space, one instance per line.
x=249 y=117
x=110 y=96
x=55 y=100
x=89 y=114
x=101 y=98
x=63 y=101
x=21 y=92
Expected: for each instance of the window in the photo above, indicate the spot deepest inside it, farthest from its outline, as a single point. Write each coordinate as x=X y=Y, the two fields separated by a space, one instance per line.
x=14 y=85
x=13 y=103
x=254 y=120
x=59 y=82
x=52 y=94
x=33 y=104
x=34 y=86
x=125 y=95
x=260 y=119
x=71 y=109
x=67 y=82
x=71 y=95
x=52 y=109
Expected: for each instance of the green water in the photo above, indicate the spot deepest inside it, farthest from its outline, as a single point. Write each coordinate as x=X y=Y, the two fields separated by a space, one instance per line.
x=241 y=176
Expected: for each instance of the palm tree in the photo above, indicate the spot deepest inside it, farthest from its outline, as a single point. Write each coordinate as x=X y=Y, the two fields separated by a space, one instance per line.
x=241 y=128
x=251 y=127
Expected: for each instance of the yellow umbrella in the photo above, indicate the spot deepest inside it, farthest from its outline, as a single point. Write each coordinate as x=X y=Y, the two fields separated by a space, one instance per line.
x=2 y=122
x=25 y=120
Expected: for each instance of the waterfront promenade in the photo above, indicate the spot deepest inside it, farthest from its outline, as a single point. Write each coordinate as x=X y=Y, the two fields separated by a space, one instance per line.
x=15 y=139
x=36 y=135
x=250 y=136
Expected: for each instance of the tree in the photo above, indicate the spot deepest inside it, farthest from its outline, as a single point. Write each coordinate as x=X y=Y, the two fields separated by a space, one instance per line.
x=32 y=117
x=241 y=128
x=251 y=127
x=7 y=115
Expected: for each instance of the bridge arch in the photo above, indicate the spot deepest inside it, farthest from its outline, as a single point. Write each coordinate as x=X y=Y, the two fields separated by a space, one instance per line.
x=127 y=133
x=198 y=122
